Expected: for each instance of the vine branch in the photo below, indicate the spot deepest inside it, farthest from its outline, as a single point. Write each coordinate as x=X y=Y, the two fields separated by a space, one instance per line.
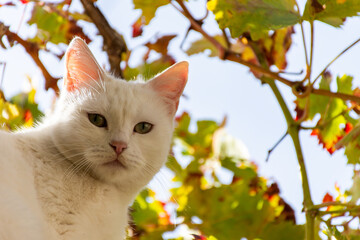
x=114 y=43
x=33 y=50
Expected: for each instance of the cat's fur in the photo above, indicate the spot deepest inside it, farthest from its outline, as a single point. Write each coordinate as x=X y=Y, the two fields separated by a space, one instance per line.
x=54 y=183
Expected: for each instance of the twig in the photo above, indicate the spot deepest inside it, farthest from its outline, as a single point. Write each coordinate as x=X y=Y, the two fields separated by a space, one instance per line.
x=184 y=11
x=22 y=18
x=328 y=204
x=332 y=61
x=33 y=50
x=290 y=73
x=114 y=43
x=276 y=144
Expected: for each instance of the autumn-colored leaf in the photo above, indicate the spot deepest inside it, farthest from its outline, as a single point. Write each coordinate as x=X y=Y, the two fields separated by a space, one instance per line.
x=330 y=127
x=328 y=198
x=161 y=44
x=281 y=42
x=137 y=27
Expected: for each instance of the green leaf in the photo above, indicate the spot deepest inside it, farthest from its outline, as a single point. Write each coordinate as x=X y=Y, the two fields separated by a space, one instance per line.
x=149 y=7
x=254 y=16
x=149 y=69
x=26 y=101
x=332 y=130
x=317 y=103
x=352 y=149
x=149 y=214
x=283 y=231
x=240 y=169
x=51 y=26
x=344 y=84
x=333 y=12
x=201 y=45
x=355 y=188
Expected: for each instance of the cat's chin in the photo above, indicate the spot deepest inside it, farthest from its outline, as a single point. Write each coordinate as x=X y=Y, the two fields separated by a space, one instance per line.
x=114 y=164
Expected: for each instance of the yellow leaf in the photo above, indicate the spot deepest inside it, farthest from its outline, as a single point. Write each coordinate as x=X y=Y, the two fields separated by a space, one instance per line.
x=248 y=54
x=219 y=15
x=12 y=110
x=211 y=5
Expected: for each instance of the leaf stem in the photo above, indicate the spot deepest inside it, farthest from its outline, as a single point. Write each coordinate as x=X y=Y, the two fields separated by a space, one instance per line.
x=311 y=48
x=304 y=42
x=293 y=131
x=332 y=61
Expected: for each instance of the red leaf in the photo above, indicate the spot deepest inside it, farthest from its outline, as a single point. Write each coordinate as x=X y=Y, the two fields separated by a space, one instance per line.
x=348 y=127
x=315 y=132
x=24 y=1
x=327 y=198
x=27 y=116
x=137 y=27
x=331 y=149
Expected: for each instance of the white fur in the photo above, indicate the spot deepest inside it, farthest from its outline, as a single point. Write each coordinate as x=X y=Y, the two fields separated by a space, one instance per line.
x=53 y=181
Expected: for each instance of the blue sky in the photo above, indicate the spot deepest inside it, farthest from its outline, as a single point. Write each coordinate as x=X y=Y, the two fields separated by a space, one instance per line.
x=220 y=88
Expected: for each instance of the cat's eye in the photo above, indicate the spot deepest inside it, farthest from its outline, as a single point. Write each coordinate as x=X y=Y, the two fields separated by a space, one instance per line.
x=97 y=119
x=143 y=127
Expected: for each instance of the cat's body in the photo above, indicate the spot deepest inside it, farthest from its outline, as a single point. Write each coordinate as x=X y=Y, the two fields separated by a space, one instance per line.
x=74 y=176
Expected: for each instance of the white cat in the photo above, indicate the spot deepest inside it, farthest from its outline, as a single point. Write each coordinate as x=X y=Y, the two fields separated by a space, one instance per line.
x=74 y=175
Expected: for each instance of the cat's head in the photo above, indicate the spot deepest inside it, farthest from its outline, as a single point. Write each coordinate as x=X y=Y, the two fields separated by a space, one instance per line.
x=118 y=131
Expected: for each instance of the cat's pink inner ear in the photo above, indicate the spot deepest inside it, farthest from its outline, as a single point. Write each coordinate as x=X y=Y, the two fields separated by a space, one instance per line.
x=81 y=66
x=171 y=83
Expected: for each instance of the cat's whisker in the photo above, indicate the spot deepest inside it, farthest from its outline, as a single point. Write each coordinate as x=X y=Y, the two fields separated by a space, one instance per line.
x=74 y=168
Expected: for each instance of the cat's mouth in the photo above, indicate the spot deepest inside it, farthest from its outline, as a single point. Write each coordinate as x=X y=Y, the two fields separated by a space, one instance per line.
x=115 y=164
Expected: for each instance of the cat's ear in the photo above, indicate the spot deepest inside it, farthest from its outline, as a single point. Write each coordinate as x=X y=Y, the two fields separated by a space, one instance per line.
x=171 y=83
x=81 y=66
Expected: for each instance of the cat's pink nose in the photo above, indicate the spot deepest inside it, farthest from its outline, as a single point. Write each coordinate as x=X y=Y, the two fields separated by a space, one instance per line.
x=118 y=146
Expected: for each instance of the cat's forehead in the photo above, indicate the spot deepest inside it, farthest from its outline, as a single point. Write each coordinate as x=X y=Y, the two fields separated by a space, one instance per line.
x=128 y=100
